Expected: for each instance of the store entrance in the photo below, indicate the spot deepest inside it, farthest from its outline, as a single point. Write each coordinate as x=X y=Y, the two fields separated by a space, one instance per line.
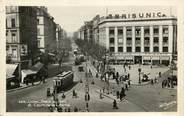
x=138 y=59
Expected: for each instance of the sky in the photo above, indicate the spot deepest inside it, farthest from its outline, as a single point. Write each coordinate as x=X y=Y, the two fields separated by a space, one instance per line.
x=71 y=18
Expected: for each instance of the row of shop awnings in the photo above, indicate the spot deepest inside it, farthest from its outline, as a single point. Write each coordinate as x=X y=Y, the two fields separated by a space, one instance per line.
x=143 y=57
x=11 y=68
x=32 y=71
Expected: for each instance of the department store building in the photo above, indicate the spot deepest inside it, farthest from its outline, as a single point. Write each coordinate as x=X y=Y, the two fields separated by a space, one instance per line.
x=147 y=38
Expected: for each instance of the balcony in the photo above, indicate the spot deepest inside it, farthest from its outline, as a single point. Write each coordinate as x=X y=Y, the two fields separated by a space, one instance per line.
x=129 y=43
x=155 y=44
x=146 y=34
x=165 y=43
x=138 y=43
x=146 y=43
x=111 y=35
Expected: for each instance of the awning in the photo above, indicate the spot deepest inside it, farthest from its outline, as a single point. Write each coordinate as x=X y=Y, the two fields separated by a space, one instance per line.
x=37 y=67
x=129 y=58
x=25 y=73
x=51 y=54
x=10 y=69
x=165 y=58
x=155 y=58
x=146 y=58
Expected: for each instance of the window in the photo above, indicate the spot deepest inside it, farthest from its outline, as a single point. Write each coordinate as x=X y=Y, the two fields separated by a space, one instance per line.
x=129 y=40
x=6 y=23
x=13 y=22
x=146 y=40
x=38 y=42
x=14 y=40
x=137 y=40
x=165 y=49
x=111 y=40
x=155 y=49
x=155 y=40
x=137 y=49
x=120 y=40
x=146 y=49
x=138 y=31
x=14 y=53
x=6 y=33
x=38 y=21
x=129 y=31
x=165 y=40
x=120 y=31
x=129 y=49
x=155 y=30
x=120 y=49
x=7 y=48
x=146 y=31
x=38 y=31
x=111 y=31
x=111 y=49
x=165 y=30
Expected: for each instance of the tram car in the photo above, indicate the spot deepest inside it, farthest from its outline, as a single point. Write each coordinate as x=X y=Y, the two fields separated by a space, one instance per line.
x=62 y=81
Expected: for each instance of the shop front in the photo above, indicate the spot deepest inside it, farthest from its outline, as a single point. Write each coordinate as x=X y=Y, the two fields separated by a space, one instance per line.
x=12 y=80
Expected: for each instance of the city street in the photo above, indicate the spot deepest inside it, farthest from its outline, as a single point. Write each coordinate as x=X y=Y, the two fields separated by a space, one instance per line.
x=138 y=98
x=112 y=62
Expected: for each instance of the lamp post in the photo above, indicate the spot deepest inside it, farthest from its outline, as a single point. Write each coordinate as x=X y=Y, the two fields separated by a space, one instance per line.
x=139 y=70
x=87 y=89
x=172 y=68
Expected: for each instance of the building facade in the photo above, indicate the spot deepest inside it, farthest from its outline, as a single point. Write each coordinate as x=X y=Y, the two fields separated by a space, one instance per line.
x=140 y=40
x=147 y=38
x=21 y=34
x=46 y=29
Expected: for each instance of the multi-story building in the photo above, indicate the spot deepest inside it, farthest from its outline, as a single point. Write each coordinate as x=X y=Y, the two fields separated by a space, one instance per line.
x=139 y=38
x=21 y=34
x=46 y=29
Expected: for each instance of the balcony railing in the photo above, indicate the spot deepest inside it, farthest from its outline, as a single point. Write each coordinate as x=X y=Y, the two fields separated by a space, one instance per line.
x=137 y=43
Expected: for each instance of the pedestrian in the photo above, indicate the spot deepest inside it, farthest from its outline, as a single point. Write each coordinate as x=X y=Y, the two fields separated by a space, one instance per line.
x=75 y=109
x=122 y=93
x=155 y=80
x=117 y=75
x=129 y=67
x=100 y=94
x=163 y=84
x=96 y=75
x=152 y=82
x=129 y=83
x=159 y=74
x=69 y=109
x=73 y=93
x=117 y=94
x=103 y=89
x=128 y=75
x=126 y=86
x=115 y=104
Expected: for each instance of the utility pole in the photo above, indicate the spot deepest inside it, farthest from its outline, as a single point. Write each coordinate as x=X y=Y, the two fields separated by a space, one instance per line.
x=87 y=97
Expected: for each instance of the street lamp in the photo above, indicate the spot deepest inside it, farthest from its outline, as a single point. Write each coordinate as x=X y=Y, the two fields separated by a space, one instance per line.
x=139 y=70
x=172 y=68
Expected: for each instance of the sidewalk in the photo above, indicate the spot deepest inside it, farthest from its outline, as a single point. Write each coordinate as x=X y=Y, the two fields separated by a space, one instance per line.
x=53 y=70
x=23 y=86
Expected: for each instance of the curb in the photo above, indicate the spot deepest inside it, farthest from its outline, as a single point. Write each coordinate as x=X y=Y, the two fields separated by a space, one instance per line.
x=20 y=88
